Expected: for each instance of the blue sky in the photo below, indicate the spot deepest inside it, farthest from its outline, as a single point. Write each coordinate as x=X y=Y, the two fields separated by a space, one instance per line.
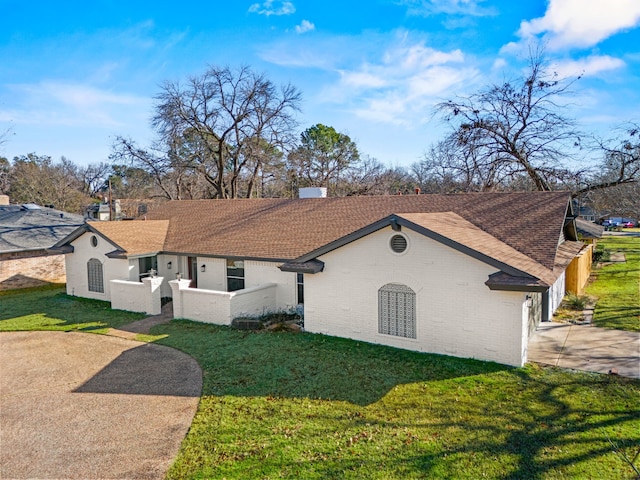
x=73 y=75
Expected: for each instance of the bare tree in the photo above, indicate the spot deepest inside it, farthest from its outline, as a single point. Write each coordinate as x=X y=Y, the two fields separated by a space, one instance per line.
x=168 y=172
x=93 y=177
x=213 y=123
x=38 y=179
x=621 y=161
x=513 y=129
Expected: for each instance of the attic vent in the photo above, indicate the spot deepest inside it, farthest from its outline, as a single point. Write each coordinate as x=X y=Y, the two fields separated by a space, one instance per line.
x=398 y=243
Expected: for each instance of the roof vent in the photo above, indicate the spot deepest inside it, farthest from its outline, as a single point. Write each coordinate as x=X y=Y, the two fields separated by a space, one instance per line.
x=312 y=192
x=398 y=243
x=31 y=206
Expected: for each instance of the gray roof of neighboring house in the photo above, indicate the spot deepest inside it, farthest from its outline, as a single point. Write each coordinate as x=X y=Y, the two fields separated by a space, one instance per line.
x=31 y=227
x=588 y=229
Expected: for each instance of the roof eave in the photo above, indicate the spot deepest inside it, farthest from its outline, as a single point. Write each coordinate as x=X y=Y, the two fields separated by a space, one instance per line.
x=311 y=267
x=504 y=282
x=397 y=222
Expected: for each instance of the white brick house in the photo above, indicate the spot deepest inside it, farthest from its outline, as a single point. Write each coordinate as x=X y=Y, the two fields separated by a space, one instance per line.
x=465 y=275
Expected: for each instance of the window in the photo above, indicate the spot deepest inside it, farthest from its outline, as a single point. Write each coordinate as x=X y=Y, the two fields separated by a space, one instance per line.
x=398 y=243
x=94 y=241
x=146 y=264
x=300 y=285
x=235 y=275
x=397 y=310
x=94 y=276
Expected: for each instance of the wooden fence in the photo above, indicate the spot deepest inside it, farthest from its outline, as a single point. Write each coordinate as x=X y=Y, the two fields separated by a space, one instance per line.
x=578 y=271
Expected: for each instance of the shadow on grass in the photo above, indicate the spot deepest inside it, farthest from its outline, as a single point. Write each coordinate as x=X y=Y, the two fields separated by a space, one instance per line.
x=529 y=423
x=50 y=308
x=301 y=365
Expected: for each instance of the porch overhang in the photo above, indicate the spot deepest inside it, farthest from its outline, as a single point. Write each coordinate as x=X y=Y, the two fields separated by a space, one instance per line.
x=311 y=266
x=511 y=283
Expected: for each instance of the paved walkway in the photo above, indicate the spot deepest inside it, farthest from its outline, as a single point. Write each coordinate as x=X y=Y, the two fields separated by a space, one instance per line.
x=74 y=405
x=583 y=347
x=143 y=326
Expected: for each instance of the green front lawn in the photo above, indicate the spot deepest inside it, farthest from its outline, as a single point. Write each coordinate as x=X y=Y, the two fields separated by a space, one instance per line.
x=617 y=286
x=49 y=308
x=297 y=405
x=291 y=405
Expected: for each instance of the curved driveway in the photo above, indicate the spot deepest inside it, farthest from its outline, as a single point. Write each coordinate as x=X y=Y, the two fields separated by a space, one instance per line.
x=76 y=405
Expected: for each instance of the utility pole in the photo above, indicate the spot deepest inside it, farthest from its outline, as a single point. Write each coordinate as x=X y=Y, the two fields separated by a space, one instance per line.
x=110 y=202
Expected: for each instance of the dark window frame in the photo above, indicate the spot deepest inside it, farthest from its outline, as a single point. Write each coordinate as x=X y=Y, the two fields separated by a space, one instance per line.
x=235 y=275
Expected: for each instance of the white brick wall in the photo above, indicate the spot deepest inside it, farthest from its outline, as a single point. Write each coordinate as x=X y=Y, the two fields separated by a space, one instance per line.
x=76 y=265
x=556 y=294
x=255 y=273
x=456 y=313
x=220 y=308
x=137 y=296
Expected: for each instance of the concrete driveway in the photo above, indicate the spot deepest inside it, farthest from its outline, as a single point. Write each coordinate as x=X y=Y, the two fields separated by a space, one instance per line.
x=583 y=347
x=76 y=405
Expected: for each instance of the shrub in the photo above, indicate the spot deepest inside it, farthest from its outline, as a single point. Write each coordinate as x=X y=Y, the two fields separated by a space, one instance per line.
x=600 y=254
x=576 y=302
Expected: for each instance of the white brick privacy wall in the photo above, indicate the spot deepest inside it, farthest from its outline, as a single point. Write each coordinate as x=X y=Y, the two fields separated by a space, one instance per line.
x=76 y=265
x=456 y=313
x=255 y=274
x=137 y=296
x=220 y=308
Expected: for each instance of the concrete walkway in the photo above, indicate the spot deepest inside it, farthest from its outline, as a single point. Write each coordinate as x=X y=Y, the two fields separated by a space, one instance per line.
x=130 y=330
x=74 y=405
x=583 y=347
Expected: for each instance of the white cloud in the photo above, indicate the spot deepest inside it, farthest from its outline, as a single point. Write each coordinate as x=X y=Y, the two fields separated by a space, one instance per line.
x=305 y=26
x=581 y=23
x=586 y=67
x=402 y=87
x=451 y=7
x=268 y=8
x=57 y=103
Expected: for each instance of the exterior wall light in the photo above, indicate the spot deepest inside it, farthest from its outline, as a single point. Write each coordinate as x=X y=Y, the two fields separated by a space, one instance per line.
x=203 y=268
x=168 y=265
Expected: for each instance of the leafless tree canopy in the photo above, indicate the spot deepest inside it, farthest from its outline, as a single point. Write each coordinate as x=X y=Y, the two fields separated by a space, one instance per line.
x=510 y=130
x=214 y=123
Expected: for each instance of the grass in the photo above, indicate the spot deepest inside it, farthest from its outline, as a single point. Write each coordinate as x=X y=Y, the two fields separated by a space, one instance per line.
x=297 y=405
x=292 y=405
x=617 y=286
x=49 y=308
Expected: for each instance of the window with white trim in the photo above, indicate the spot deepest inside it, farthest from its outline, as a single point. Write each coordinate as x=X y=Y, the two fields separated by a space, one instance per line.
x=95 y=279
x=397 y=310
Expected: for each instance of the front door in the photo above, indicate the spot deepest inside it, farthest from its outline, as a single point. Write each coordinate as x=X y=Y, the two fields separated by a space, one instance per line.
x=193 y=271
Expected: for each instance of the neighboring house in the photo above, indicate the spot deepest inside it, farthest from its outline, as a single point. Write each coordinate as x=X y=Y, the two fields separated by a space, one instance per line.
x=589 y=232
x=122 y=208
x=26 y=233
x=469 y=275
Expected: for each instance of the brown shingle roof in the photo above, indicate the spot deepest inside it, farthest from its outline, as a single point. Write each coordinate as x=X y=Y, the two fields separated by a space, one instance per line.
x=519 y=230
x=456 y=228
x=280 y=229
x=135 y=237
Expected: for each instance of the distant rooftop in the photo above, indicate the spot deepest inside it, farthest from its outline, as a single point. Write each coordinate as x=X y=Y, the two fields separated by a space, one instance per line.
x=34 y=227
